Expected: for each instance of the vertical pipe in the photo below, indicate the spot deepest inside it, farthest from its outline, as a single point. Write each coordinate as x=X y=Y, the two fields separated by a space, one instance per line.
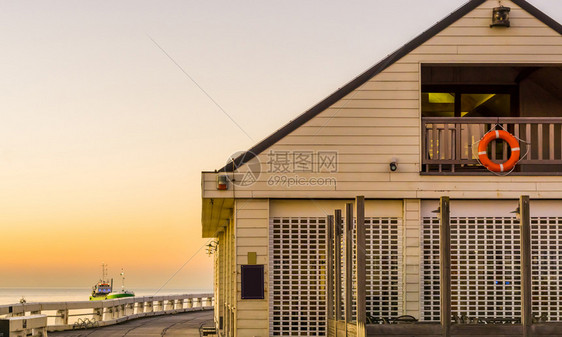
x=330 y=267
x=445 y=265
x=337 y=263
x=348 y=262
x=526 y=304
x=360 y=263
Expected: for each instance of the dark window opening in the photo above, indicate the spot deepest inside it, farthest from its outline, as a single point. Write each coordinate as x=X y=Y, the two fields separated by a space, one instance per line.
x=252 y=282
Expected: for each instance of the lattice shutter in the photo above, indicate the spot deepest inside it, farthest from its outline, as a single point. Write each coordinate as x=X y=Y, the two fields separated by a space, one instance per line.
x=485 y=260
x=485 y=267
x=546 y=243
x=298 y=279
x=384 y=265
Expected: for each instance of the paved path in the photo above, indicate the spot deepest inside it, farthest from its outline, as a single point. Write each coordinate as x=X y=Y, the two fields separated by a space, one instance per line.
x=186 y=324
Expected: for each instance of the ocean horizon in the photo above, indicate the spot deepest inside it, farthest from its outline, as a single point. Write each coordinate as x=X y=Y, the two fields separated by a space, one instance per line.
x=12 y=295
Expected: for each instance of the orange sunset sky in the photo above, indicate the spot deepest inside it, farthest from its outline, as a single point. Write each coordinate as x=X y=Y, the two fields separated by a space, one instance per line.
x=103 y=137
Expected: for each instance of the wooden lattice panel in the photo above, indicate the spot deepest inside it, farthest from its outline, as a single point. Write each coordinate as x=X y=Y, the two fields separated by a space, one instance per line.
x=384 y=265
x=485 y=275
x=298 y=275
x=485 y=267
x=546 y=267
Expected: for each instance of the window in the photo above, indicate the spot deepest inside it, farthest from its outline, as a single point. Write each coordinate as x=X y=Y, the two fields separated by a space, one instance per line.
x=469 y=101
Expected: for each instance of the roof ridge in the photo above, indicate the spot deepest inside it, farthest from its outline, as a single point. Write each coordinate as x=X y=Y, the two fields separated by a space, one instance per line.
x=542 y=16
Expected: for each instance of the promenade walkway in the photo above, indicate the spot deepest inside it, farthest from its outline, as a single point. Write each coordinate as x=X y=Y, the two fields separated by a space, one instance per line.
x=186 y=324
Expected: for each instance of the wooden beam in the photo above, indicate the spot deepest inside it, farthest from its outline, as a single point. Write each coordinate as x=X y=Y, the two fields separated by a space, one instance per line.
x=361 y=265
x=337 y=263
x=525 y=73
x=526 y=299
x=330 y=267
x=348 y=262
x=445 y=265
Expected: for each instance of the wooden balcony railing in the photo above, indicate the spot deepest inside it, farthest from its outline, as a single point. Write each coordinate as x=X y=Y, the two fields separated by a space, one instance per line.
x=449 y=144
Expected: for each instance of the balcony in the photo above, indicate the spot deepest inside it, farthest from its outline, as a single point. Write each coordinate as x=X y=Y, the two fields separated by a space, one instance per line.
x=449 y=145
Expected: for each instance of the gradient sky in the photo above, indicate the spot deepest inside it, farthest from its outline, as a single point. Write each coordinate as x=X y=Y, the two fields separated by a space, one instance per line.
x=103 y=137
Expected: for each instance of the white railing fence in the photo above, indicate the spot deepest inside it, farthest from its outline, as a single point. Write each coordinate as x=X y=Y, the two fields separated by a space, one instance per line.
x=24 y=319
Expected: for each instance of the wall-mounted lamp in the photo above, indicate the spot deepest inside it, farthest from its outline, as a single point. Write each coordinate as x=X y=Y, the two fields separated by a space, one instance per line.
x=393 y=165
x=222 y=182
x=212 y=247
x=517 y=212
x=438 y=211
x=500 y=17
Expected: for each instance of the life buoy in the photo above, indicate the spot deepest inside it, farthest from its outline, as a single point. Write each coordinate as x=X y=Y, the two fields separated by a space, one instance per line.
x=513 y=144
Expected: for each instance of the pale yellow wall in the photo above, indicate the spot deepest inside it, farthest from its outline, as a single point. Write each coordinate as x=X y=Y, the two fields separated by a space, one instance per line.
x=252 y=235
x=411 y=254
x=218 y=277
x=228 y=282
x=322 y=208
x=381 y=120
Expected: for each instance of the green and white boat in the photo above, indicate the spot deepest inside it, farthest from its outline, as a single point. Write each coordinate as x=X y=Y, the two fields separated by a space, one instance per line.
x=103 y=289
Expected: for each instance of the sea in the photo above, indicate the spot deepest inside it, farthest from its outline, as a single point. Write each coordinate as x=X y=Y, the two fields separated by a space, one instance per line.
x=14 y=295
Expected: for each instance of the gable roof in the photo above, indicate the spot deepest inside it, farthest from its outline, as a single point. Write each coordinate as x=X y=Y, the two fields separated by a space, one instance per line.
x=375 y=70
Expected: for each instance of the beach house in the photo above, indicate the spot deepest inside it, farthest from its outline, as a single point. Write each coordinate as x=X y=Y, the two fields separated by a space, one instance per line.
x=470 y=109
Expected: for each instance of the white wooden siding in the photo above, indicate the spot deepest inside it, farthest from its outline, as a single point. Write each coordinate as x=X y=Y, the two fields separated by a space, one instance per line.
x=411 y=254
x=227 y=282
x=381 y=119
x=322 y=208
x=252 y=235
x=219 y=280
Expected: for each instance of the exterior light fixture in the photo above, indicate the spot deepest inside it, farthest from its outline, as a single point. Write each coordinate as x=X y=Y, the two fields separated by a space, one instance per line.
x=517 y=213
x=211 y=247
x=437 y=211
x=393 y=165
x=222 y=182
x=500 y=17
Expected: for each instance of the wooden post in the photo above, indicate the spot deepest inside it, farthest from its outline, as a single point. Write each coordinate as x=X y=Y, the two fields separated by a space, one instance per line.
x=348 y=263
x=337 y=263
x=445 y=265
x=330 y=267
x=526 y=299
x=360 y=263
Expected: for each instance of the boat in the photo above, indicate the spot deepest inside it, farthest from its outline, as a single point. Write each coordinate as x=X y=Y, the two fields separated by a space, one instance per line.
x=124 y=292
x=103 y=290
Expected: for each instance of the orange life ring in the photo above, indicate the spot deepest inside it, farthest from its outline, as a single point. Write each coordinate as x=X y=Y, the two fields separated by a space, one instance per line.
x=513 y=144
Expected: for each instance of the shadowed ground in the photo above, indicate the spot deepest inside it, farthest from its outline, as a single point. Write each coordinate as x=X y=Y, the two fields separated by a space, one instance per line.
x=186 y=324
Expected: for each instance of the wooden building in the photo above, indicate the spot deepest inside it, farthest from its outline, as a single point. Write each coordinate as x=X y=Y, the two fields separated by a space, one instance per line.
x=403 y=134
